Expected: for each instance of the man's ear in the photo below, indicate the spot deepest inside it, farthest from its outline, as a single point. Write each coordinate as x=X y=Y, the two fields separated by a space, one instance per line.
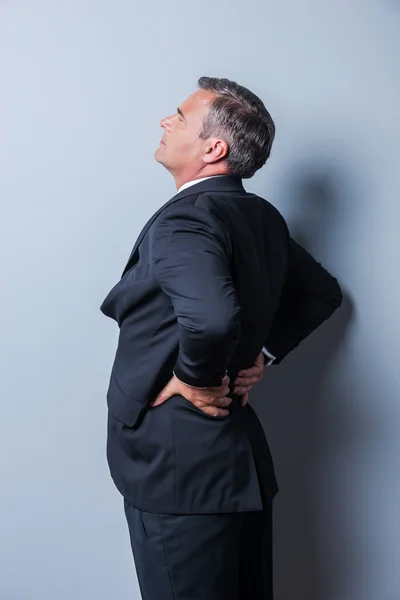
x=216 y=150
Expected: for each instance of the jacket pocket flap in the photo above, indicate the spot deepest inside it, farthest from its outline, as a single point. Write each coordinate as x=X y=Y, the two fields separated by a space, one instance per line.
x=121 y=406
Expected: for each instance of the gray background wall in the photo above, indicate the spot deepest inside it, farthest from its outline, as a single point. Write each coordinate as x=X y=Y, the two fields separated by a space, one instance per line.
x=83 y=87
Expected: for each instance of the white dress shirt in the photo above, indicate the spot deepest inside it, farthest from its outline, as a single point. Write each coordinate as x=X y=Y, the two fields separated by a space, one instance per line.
x=183 y=187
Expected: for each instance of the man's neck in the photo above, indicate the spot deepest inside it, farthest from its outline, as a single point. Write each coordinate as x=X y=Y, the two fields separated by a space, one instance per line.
x=194 y=181
x=183 y=180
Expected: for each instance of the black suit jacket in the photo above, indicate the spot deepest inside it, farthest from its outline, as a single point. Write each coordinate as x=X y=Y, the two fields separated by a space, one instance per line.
x=213 y=277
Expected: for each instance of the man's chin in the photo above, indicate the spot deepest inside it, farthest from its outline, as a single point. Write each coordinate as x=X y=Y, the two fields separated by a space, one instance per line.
x=159 y=158
x=157 y=155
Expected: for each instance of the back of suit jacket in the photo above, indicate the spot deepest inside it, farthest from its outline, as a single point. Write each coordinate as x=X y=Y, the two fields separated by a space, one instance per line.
x=200 y=296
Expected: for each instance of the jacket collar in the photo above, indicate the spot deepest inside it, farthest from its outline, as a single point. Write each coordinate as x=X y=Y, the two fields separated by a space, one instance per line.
x=225 y=183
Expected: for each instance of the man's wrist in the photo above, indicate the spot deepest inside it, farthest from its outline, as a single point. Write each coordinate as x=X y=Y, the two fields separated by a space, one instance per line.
x=216 y=382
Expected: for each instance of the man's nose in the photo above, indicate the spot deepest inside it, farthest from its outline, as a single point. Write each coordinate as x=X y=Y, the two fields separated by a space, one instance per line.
x=165 y=123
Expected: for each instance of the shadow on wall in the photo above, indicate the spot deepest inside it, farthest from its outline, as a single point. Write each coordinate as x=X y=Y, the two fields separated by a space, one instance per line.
x=294 y=403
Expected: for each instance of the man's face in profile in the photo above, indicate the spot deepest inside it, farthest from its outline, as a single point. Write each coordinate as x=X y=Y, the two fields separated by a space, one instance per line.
x=181 y=145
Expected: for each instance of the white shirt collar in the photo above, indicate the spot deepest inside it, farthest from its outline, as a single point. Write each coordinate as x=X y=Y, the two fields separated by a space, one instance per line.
x=189 y=183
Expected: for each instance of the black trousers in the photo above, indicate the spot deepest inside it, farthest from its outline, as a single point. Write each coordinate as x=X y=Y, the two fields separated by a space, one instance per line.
x=202 y=557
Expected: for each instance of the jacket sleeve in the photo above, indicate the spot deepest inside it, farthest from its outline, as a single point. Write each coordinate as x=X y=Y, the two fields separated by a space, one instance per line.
x=310 y=295
x=191 y=258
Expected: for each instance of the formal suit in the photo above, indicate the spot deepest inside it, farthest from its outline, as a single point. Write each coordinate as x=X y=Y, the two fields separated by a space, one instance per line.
x=212 y=279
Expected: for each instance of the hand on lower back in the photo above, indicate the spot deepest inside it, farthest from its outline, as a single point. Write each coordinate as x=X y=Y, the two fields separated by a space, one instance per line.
x=247 y=378
x=212 y=400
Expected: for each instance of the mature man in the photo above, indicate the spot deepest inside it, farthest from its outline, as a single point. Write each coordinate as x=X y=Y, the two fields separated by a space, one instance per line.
x=214 y=287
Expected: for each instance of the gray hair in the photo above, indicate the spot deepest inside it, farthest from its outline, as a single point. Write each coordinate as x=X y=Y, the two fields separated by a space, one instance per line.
x=240 y=118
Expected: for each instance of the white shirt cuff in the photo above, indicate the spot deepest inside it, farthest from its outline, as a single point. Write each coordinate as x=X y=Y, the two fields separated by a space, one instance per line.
x=268 y=355
x=191 y=386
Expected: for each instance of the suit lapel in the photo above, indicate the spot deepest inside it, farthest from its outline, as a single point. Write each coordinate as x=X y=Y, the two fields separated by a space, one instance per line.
x=224 y=183
x=133 y=256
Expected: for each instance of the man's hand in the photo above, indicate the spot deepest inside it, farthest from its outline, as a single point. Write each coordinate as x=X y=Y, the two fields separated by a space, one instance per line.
x=210 y=400
x=246 y=378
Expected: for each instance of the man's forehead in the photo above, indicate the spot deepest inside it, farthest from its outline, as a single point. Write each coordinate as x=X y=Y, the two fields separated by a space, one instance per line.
x=197 y=102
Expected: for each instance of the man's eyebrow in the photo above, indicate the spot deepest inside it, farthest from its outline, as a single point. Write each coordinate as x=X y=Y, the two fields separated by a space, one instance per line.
x=178 y=110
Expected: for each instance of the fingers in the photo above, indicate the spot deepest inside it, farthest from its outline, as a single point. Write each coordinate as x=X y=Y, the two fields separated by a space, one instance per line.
x=217 y=396
x=240 y=390
x=223 y=389
x=215 y=407
x=247 y=380
x=222 y=402
x=244 y=384
x=213 y=402
x=161 y=398
x=217 y=411
x=157 y=402
x=252 y=372
x=213 y=411
x=254 y=375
